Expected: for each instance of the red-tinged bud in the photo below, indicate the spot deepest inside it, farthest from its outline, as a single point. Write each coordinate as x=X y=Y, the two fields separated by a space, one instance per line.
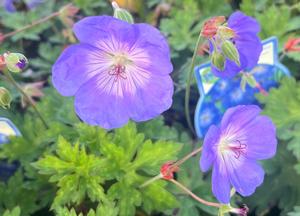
x=292 y=45
x=240 y=211
x=224 y=209
x=33 y=90
x=167 y=170
x=67 y=13
x=210 y=27
x=218 y=20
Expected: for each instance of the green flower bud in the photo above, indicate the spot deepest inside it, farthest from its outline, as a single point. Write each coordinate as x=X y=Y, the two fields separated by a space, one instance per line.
x=231 y=52
x=122 y=14
x=225 y=32
x=218 y=60
x=249 y=79
x=243 y=83
x=15 y=62
x=5 y=98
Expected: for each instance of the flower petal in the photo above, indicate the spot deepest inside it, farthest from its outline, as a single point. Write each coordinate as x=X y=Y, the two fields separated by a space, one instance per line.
x=236 y=118
x=220 y=183
x=247 y=178
x=250 y=47
x=76 y=65
x=260 y=137
x=152 y=99
x=105 y=32
x=208 y=154
x=97 y=106
x=241 y=23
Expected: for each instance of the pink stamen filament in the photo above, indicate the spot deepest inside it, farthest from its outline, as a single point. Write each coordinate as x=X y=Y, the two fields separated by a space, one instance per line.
x=239 y=149
x=119 y=71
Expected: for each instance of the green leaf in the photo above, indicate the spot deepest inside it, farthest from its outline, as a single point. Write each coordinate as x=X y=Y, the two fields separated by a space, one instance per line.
x=75 y=171
x=152 y=155
x=155 y=197
x=128 y=197
x=14 y=212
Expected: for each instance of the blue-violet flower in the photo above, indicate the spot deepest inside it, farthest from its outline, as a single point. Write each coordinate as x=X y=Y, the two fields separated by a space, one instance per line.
x=232 y=149
x=118 y=71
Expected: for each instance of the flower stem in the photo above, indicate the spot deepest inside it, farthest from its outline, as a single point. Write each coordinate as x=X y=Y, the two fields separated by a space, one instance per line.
x=188 y=86
x=16 y=85
x=34 y=23
x=261 y=89
x=193 y=153
x=157 y=177
x=176 y=164
x=194 y=196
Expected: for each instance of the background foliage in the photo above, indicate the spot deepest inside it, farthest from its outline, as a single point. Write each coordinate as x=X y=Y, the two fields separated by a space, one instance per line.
x=75 y=169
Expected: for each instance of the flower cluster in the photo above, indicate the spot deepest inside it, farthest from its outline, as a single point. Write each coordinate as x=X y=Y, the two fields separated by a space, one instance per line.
x=120 y=71
x=234 y=45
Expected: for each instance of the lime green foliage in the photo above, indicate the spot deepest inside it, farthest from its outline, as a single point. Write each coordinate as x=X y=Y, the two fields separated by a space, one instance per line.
x=14 y=212
x=123 y=157
x=15 y=192
x=179 y=27
x=281 y=184
x=107 y=209
x=271 y=15
x=88 y=165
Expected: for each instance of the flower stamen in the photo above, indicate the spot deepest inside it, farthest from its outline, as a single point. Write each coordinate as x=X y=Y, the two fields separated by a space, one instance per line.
x=119 y=71
x=239 y=149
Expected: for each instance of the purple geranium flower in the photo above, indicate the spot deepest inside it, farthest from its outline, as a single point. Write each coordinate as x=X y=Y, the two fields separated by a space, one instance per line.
x=232 y=149
x=12 y=5
x=248 y=44
x=118 y=71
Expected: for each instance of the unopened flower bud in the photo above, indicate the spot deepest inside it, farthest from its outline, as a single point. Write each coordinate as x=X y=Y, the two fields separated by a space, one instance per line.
x=249 y=79
x=224 y=209
x=230 y=51
x=218 y=60
x=122 y=14
x=210 y=27
x=292 y=45
x=167 y=170
x=225 y=32
x=5 y=98
x=67 y=13
x=15 y=62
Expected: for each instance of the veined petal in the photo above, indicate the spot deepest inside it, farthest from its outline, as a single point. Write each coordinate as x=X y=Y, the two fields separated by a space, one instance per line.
x=96 y=105
x=247 y=178
x=236 y=118
x=151 y=100
x=241 y=23
x=250 y=47
x=106 y=32
x=208 y=154
x=260 y=137
x=76 y=65
x=221 y=183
